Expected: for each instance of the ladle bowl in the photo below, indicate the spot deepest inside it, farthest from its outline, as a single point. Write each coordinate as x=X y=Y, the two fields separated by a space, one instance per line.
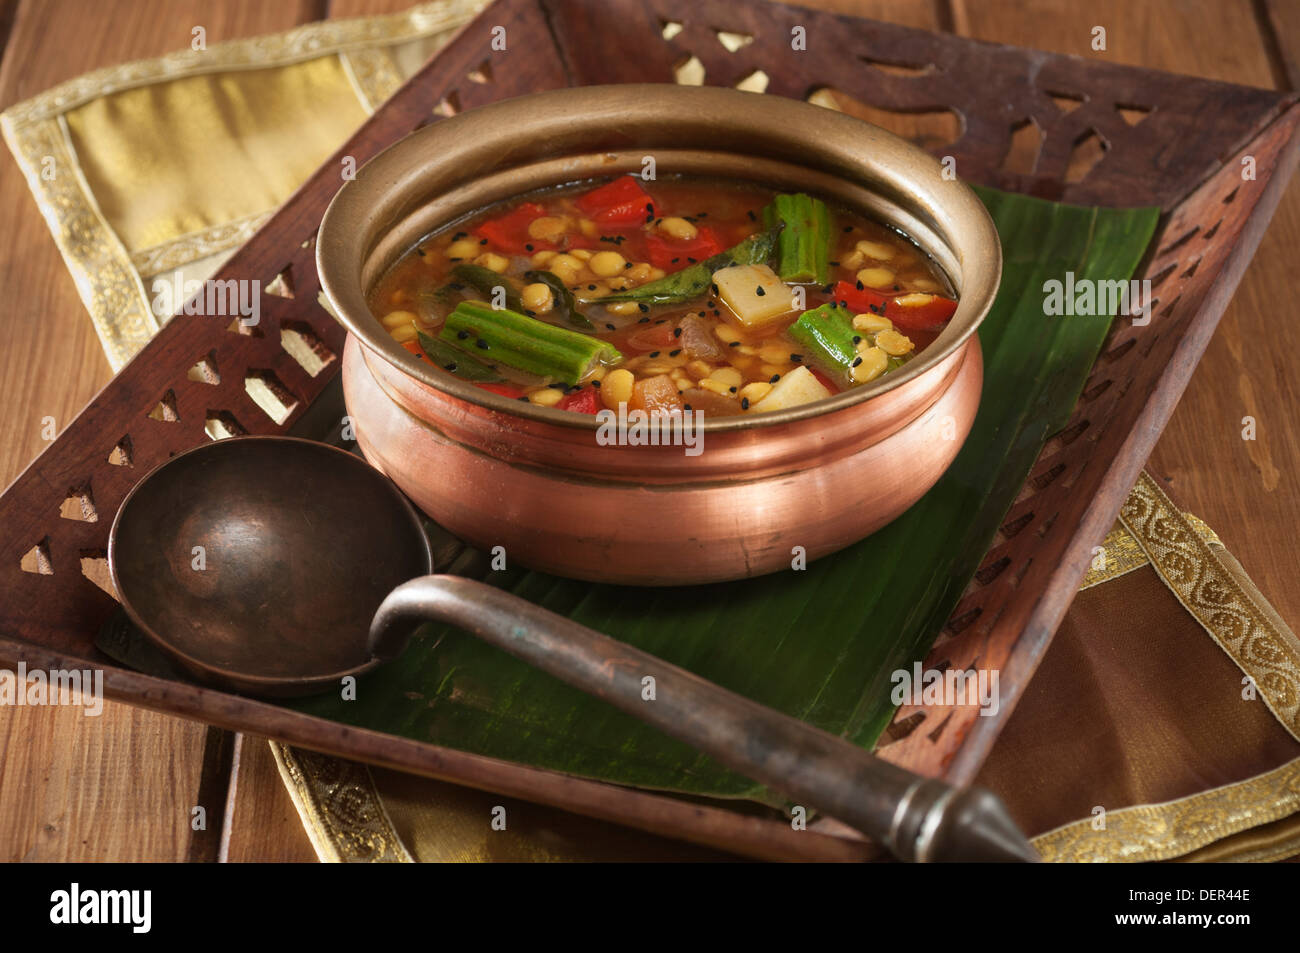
x=257 y=563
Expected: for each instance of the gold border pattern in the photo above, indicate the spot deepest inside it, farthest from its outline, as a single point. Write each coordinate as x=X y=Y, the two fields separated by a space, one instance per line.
x=107 y=284
x=1123 y=554
x=1149 y=832
x=340 y=809
x=374 y=75
x=187 y=248
x=1257 y=641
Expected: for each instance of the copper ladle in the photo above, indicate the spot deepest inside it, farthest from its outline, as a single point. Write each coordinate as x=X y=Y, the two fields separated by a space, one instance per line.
x=258 y=564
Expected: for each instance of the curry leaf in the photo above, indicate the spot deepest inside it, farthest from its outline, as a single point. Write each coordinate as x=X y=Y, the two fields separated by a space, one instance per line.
x=565 y=307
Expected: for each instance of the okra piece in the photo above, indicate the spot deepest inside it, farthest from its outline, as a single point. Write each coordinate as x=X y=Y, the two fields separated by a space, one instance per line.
x=485 y=281
x=456 y=361
x=516 y=340
x=827 y=339
x=690 y=282
x=565 y=307
x=803 y=248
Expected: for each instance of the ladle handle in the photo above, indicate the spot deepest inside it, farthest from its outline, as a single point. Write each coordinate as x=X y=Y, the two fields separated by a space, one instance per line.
x=917 y=819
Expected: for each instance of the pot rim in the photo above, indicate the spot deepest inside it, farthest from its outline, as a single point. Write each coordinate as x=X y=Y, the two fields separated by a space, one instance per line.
x=847 y=148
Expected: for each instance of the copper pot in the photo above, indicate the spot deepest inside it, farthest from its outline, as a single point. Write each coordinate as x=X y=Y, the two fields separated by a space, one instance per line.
x=766 y=488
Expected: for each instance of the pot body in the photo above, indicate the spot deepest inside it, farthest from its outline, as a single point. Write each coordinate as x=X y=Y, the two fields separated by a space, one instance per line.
x=748 y=503
x=541 y=482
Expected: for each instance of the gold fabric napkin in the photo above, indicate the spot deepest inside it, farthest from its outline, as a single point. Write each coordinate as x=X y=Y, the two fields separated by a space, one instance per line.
x=1163 y=723
x=174 y=162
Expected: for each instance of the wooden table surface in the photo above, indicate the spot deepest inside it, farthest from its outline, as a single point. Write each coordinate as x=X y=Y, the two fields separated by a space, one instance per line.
x=122 y=786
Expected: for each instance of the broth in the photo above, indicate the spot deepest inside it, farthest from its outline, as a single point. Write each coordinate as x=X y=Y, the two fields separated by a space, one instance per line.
x=681 y=294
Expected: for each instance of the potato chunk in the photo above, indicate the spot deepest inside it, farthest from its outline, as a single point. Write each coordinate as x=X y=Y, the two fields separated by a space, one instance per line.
x=754 y=293
x=797 y=387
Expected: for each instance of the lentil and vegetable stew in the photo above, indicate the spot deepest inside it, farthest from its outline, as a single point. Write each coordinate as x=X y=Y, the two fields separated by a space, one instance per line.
x=675 y=295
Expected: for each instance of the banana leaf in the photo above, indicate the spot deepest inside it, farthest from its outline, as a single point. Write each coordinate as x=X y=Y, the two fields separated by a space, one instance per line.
x=819 y=644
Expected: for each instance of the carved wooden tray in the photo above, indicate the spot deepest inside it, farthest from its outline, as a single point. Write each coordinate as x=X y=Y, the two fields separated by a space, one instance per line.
x=1054 y=126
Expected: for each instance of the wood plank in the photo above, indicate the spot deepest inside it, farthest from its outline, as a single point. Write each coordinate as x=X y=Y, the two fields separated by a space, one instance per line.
x=8 y=10
x=1247 y=489
x=922 y=14
x=215 y=778
x=1280 y=22
x=119 y=787
x=263 y=825
x=1212 y=39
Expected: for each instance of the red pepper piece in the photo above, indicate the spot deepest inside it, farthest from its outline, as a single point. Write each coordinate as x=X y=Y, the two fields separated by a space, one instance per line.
x=672 y=254
x=414 y=347
x=622 y=203
x=509 y=232
x=583 y=401
x=860 y=300
x=923 y=316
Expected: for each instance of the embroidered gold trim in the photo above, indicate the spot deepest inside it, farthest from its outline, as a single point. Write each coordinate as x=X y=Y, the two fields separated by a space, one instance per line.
x=340 y=809
x=107 y=284
x=1267 y=855
x=1123 y=554
x=187 y=248
x=1148 y=832
x=1257 y=641
x=374 y=75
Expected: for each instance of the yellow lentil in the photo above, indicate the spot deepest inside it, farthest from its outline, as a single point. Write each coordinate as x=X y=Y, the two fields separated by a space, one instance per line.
x=893 y=343
x=493 y=262
x=874 y=362
x=395 y=319
x=537 y=297
x=616 y=388
x=547 y=228
x=876 y=277
x=547 y=396
x=606 y=264
x=871 y=323
x=678 y=228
